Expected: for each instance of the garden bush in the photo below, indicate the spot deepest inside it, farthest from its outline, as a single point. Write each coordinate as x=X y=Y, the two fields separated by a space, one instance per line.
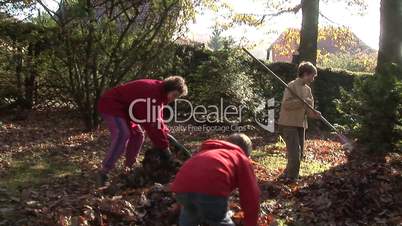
x=372 y=110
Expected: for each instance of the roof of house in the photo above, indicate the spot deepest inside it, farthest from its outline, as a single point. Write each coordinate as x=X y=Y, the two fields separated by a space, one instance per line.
x=330 y=40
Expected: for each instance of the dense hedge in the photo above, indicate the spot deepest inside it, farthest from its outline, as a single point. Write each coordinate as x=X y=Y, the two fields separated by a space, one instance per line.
x=327 y=89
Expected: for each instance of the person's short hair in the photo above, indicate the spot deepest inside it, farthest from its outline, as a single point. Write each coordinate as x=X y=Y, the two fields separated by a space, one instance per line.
x=175 y=83
x=241 y=140
x=306 y=67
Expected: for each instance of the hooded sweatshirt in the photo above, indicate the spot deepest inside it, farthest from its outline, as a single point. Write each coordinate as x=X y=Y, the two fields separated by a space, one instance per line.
x=150 y=99
x=217 y=169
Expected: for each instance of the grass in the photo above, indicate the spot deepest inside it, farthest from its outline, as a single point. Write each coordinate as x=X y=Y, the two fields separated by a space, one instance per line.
x=31 y=171
x=276 y=160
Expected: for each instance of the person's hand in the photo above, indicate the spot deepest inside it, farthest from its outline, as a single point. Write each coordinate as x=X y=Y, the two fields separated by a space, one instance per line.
x=165 y=155
x=316 y=114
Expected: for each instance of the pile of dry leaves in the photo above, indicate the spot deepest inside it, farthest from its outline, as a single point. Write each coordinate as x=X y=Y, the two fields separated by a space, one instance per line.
x=153 y=170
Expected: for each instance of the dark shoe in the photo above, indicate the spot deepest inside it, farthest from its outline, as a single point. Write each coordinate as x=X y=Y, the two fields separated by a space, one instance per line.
x=101 y=179
x=290 y=180
x=286 y=180
x=283 y=177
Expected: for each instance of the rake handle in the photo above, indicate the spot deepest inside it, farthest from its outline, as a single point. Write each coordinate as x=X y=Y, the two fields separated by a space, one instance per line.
x=179 y=146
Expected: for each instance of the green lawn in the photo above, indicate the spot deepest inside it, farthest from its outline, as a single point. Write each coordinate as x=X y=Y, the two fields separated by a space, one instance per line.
x=276 y=160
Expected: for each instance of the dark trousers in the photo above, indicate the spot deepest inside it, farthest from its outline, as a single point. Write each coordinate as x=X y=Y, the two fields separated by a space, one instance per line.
x=294 y=139
x=203 y=209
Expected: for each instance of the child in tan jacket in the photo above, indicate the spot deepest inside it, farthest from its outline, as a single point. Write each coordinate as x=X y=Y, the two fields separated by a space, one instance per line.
x=293 y=117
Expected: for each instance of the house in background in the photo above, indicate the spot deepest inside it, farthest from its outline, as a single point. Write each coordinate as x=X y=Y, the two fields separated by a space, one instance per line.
x=331 y=40
x=181 y=41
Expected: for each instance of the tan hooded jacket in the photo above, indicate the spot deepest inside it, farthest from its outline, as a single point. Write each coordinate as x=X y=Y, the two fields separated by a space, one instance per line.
x=293 y=111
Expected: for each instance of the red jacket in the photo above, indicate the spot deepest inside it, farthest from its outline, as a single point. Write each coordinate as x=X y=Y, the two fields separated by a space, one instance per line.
x=116 y=102
x=217 y=170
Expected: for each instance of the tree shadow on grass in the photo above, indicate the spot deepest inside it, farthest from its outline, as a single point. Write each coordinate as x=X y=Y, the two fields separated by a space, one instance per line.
x=31 y=171
x=42 y=188
x=47 y=173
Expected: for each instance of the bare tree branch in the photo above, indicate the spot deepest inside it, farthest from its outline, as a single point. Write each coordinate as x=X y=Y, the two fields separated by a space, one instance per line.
x=330 y=20
x=51 y=13
x=294 y=10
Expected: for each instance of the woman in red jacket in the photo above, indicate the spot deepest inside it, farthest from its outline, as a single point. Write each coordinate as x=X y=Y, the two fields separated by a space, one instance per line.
x=204 y=183
x=131 y=107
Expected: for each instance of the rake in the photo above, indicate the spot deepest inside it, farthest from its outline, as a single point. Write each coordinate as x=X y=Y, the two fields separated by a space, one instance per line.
x=179 y=146
x=343 y=139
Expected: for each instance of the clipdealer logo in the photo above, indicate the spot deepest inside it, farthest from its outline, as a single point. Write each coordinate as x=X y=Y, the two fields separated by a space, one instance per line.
x=264 y=116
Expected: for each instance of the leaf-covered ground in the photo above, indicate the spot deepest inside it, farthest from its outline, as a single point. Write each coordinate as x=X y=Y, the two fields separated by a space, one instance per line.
x=48 y=165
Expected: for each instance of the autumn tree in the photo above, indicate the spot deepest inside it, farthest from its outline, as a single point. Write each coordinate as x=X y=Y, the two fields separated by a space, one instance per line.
x=103 y=43
x=310 y=20
x=337 y=47
x=309 y=28
x=98 y=44
x=390 y=50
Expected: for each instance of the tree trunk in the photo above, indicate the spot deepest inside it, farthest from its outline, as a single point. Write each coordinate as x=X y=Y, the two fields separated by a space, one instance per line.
x=89 y=115
x=91 y=120
x=87 y=121
x=390 y=49
x=309 y=32
x=90 y=89
x=30 y=77
x=18 y=72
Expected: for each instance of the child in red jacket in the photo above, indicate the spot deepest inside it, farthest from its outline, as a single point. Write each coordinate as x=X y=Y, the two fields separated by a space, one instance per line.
x=204 y=183
x=131 y=107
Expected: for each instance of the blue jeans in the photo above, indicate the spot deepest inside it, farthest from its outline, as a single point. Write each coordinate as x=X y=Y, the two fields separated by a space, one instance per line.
x=203 y=209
